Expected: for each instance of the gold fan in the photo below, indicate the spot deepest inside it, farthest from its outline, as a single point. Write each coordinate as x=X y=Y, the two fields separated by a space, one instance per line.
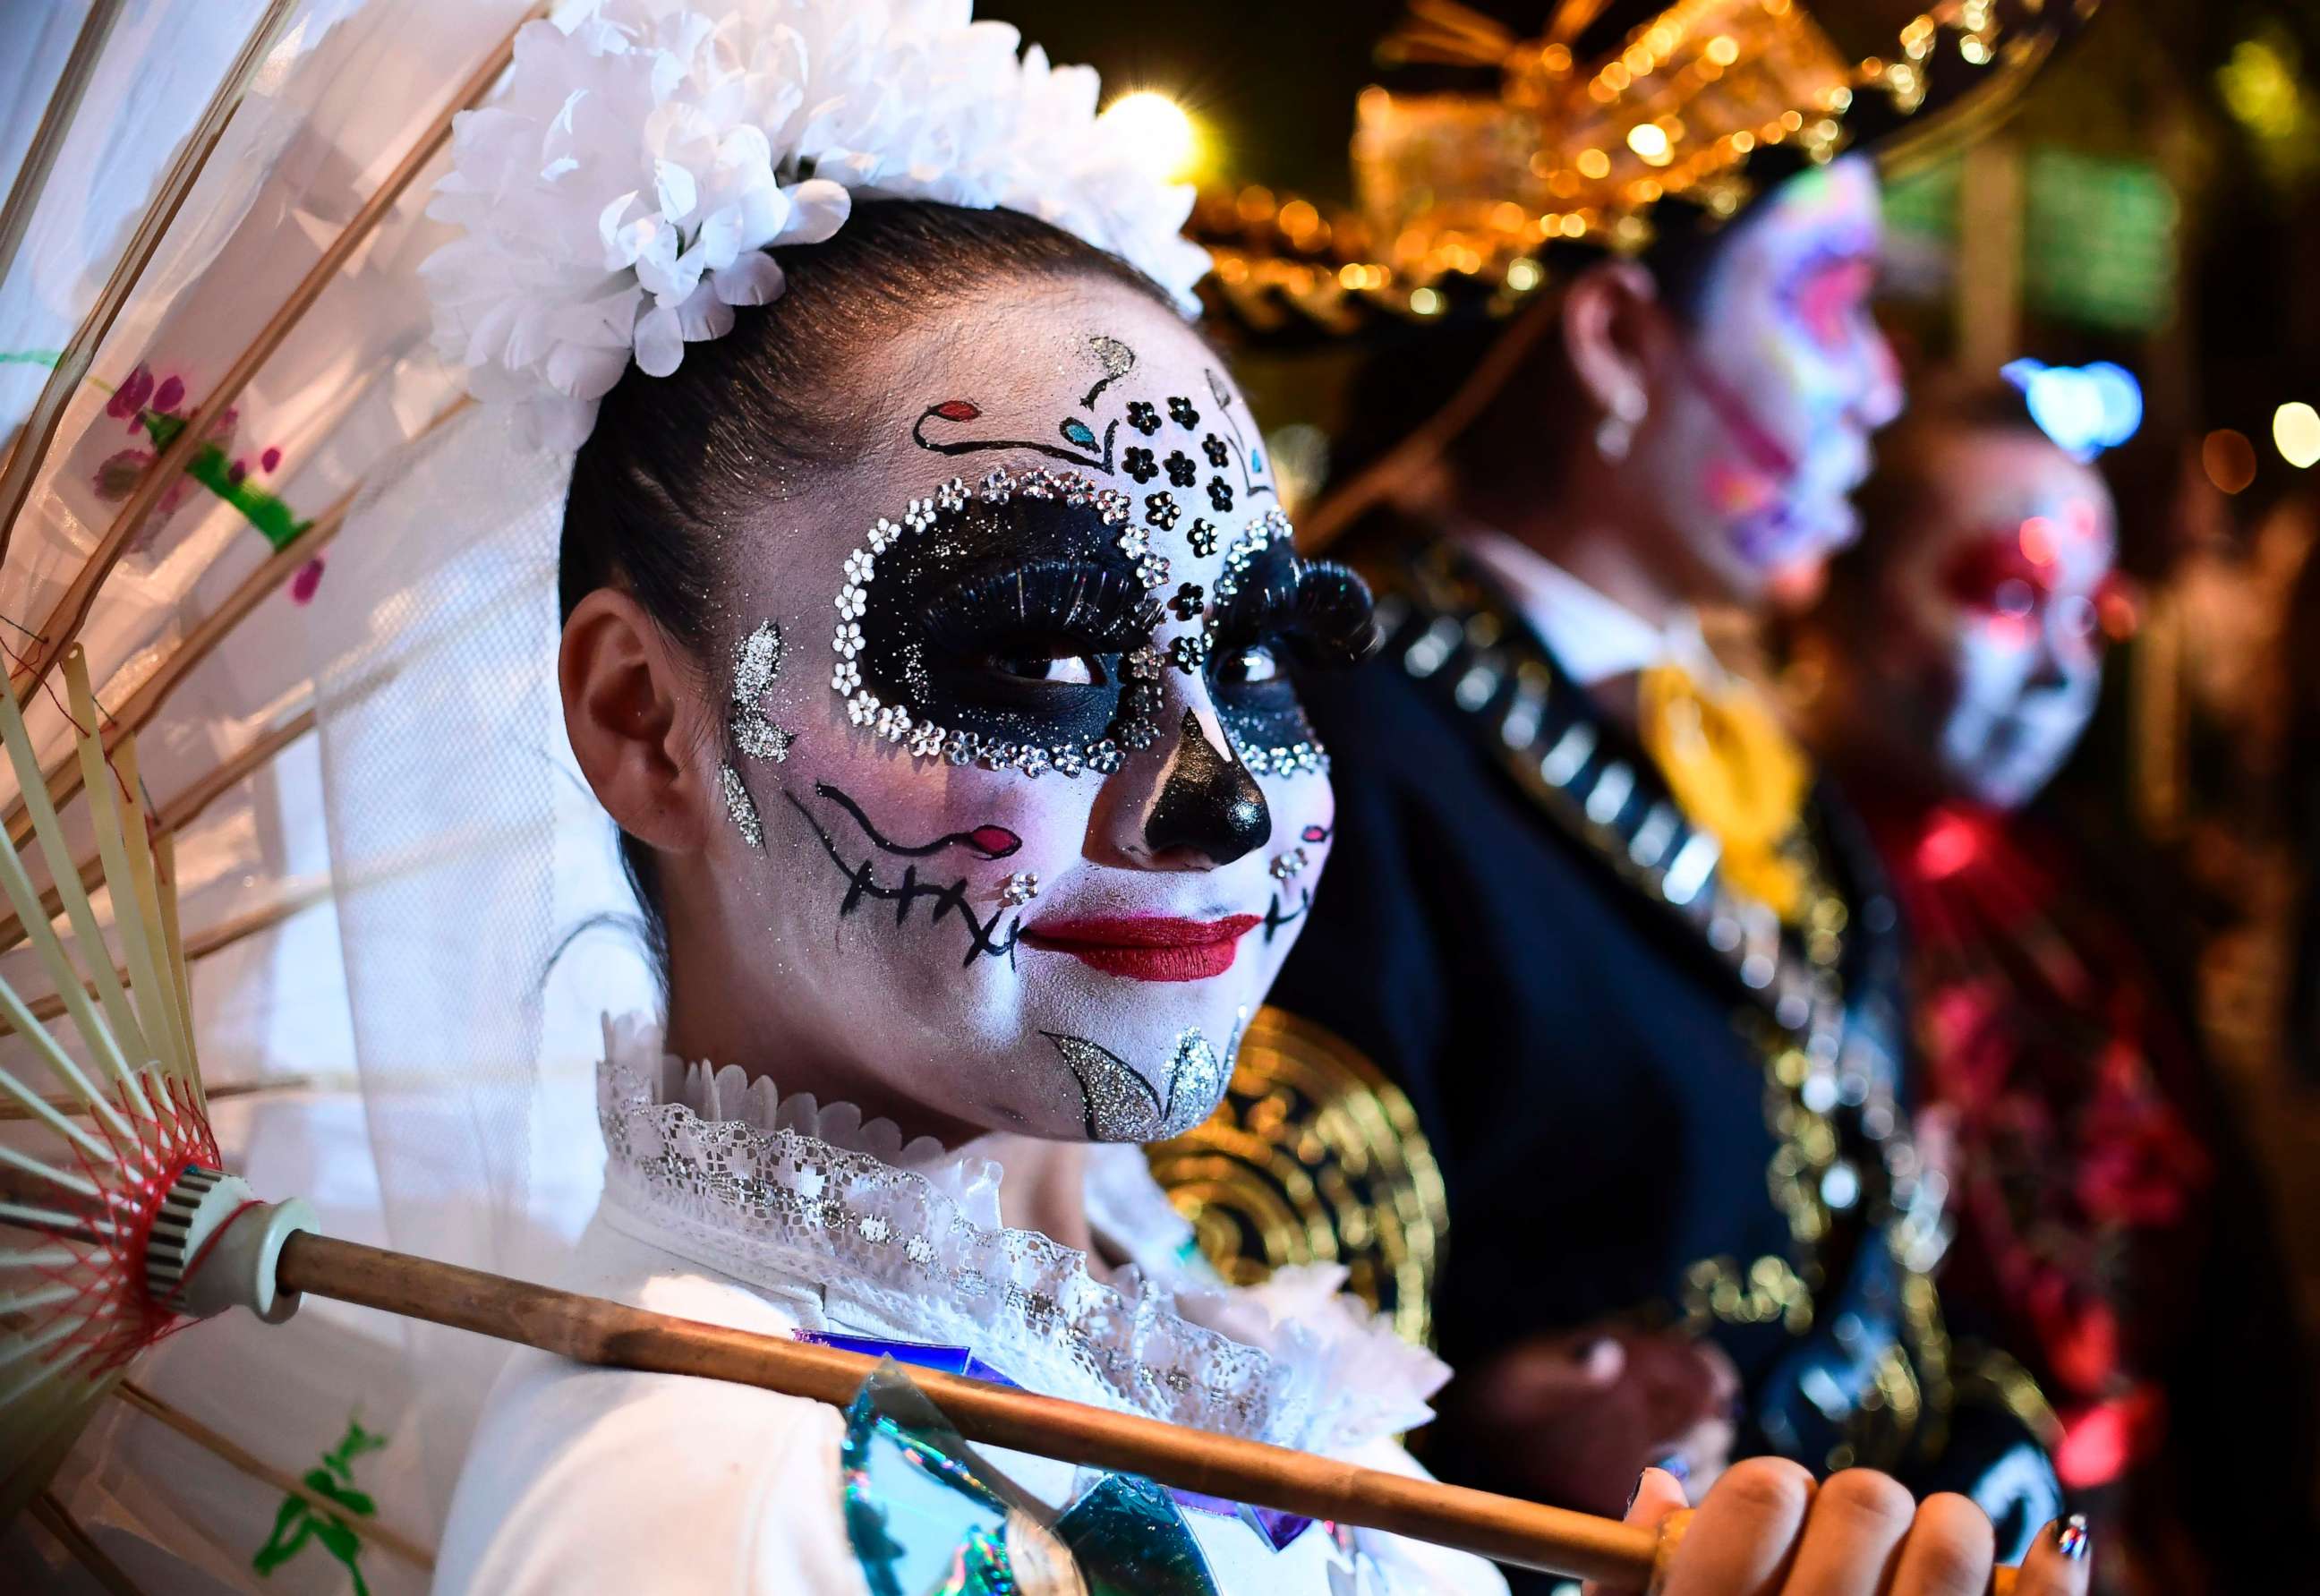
x=1313 y=1157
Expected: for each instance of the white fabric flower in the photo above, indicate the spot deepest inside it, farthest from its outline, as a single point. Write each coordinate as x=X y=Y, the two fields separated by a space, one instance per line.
x=616 y=199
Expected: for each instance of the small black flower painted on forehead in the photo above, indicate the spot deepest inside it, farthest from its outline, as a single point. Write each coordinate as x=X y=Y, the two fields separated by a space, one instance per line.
x=1161 y=510
x=1220 y=494
x=1187 y=602
x=1143 y=417
x=1180 y=411
x=1203 y=538
x=1214 y=448
x=1181 y=472
x=1139 y=463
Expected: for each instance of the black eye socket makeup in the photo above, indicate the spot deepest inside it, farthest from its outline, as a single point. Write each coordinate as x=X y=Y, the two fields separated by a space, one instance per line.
x=1269 y=609
x=1001 y=625
x=1281 y=611
x=1011 y=625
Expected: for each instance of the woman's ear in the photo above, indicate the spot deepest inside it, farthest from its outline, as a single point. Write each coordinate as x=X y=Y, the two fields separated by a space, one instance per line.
x=624 y=709
x=1612 y=327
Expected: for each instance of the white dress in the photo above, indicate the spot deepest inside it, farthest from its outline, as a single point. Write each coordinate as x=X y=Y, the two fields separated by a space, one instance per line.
x=727 y=1202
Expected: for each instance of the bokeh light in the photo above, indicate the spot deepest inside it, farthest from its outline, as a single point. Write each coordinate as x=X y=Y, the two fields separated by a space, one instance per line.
x=1163 y=134
x=2084 y=409
x=2296 y=433
x=2228 y=458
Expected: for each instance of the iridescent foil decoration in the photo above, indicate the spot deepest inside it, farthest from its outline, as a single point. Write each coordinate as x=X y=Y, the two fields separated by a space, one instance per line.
x=1130 y=1530
x=926 y=1516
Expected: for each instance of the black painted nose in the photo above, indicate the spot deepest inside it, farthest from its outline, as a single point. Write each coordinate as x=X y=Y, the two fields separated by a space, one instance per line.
x=1208 y=803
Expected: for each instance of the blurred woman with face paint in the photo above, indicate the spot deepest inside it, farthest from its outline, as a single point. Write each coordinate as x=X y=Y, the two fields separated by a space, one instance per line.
x=1637 y=969
x=2108 y=1230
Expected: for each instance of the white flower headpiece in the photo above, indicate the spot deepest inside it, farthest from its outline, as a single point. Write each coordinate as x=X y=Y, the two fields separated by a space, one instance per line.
x=618 y=197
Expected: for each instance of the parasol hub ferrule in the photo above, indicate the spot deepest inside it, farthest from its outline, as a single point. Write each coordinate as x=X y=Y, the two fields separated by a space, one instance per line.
x=214 y=1245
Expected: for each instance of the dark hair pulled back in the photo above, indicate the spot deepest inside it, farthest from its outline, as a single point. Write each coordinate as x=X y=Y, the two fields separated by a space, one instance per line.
x=674 y=462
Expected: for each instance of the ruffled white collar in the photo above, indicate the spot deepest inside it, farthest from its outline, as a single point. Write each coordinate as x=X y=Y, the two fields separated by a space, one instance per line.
x=903 y=1239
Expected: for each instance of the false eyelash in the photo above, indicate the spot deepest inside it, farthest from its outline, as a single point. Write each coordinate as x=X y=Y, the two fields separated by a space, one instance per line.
x=1109 y=612
x=1322 y=611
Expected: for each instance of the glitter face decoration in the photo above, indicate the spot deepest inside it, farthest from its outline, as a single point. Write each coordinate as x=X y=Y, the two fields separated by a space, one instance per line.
x=1026 y=559
x=755 y=662
x=1058 y=745
x=1762 y=431
x=1121 y=1103
x=1994 y=613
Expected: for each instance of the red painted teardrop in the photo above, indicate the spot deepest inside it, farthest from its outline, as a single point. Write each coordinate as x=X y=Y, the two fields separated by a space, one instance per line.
x=957 y=409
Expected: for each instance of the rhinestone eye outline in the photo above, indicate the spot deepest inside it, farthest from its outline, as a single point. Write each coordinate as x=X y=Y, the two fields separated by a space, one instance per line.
x=918 y=737
x=915 y=735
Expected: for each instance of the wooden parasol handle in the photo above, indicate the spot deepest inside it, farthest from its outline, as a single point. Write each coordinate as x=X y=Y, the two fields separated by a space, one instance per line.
x=591 y=1330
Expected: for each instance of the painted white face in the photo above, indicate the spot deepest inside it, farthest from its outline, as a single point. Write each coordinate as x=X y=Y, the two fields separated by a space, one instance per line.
x=1023 y=812
x=1767 y=419
x=1998 y=601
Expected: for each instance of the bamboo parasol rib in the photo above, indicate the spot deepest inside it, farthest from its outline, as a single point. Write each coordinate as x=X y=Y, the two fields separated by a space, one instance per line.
x=246 y=1462
x=179 y=811
x=104 y=1570
x=216 y=940
x=138 y=710
x=62 y=625
x=48 y=412
x=73 y=1105
x=56 y=122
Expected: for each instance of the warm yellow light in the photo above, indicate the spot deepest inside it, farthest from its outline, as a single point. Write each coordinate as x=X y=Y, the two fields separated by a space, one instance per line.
x=1424 y=302
x=2295 y=433
x=1160 y=132
x=1594 y=163
x=1650 y=141
x=1522 y=274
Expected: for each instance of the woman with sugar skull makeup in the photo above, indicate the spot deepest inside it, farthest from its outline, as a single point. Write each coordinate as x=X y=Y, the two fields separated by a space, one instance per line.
x=1638 y=973
x=926 y=627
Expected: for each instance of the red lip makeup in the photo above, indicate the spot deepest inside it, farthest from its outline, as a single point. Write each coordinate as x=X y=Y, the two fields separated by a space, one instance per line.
x=1147 y=948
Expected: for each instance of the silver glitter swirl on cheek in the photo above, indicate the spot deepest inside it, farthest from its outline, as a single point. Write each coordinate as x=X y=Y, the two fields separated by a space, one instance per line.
x=1196 y=1084
x=742 y=808
x=1120 y=1105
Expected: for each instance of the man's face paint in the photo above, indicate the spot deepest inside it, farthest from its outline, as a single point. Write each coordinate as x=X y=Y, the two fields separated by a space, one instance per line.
x=1994 y=614
x=1784 y=377
x=1017 y=839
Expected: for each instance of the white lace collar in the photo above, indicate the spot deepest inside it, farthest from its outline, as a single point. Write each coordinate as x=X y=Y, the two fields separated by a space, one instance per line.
x=905 y=1239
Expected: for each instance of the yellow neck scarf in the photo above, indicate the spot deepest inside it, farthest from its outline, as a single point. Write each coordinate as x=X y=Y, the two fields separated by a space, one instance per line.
x=1735 y=774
